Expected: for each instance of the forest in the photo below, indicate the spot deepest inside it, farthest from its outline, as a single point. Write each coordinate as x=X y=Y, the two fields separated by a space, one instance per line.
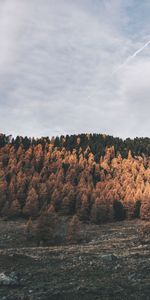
x=96 y=177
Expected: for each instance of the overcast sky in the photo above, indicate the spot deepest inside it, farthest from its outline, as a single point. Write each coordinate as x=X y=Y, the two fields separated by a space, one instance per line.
x=62 y=67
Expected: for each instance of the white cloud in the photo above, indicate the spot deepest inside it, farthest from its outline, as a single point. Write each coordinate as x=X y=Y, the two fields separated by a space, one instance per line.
x=56 y=62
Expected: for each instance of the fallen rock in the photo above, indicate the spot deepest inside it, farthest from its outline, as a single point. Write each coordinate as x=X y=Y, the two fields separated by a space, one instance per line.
x=10 y=280
x=109 y=257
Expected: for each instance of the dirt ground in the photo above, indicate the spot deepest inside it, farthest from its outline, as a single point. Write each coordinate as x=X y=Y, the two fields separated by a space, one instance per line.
x=113 y=264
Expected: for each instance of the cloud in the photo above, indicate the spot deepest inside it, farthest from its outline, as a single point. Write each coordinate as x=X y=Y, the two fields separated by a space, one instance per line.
x=55 y=64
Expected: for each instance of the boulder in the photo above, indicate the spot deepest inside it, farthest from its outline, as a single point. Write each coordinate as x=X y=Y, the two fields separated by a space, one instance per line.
x=9 y=280
x=109 y=257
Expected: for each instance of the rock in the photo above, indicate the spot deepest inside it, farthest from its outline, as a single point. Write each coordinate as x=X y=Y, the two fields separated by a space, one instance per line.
x=10 y=280
x=131 y=277
x=117 y=267
x=109 y=257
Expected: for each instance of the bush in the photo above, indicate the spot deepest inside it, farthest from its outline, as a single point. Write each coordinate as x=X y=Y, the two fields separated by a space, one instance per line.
x=74 y=230
x=45 y=230
x=137 y=209
x=119 y=211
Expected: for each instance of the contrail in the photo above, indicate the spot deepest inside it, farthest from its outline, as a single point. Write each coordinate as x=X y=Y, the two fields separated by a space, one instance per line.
x=131 y=57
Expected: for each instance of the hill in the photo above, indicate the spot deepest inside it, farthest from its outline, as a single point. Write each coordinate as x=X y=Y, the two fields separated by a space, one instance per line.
x=97 y=177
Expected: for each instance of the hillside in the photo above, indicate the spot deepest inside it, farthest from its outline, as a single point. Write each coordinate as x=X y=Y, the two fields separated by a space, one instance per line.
x=113 y=265
x=97 y=177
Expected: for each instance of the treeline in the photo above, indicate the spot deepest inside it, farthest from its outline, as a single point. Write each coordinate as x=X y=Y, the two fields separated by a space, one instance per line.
x=96 y=142
x=96 y=177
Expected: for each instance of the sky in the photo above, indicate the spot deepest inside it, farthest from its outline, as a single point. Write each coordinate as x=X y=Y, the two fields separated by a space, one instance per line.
x=68 y=67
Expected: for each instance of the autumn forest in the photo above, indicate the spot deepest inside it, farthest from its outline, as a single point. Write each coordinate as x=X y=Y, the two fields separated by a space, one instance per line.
x=96 y=177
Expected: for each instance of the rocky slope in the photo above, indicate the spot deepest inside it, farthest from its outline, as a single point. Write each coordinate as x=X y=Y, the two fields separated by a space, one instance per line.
x=114 y=264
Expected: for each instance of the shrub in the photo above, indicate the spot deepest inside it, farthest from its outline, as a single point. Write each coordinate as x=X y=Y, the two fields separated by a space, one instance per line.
x=45 y=229
x=74 y=230
x=119 y=211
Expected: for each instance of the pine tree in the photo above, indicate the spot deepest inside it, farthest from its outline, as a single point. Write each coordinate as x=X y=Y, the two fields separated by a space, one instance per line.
x=74 y=235
x=45 y=229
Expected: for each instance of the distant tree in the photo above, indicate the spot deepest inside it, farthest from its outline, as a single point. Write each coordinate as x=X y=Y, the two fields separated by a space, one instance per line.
x=145 y=204
x=56 y=199
x=137 y=209
x=31 y=207
x=119 y=211
x=74 y=234
x=145 y=209
x=67 y=206
x=29 y=231
x=83 y=174
x=99 y=212
x=45 y=229
x=43 y=194
x=3 y=188
x=84 y=211
x=14 y=210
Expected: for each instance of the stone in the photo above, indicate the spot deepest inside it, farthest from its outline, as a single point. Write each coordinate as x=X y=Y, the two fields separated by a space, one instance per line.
x=117 y=267
x=10 y=280
x=109 y=257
